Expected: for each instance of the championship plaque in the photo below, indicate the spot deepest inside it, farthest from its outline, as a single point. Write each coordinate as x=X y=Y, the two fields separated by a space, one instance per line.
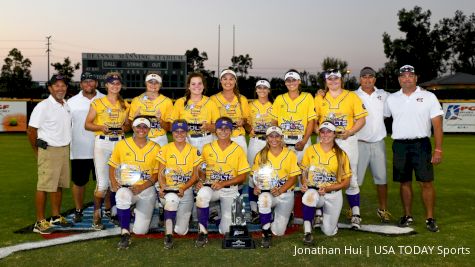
x=238 y=236
x=171 y=185
x=128 y=174
x=265 y=178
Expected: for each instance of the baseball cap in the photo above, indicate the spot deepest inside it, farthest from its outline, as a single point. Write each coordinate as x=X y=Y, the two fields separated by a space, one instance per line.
x=274 y=129
x=180 y=125
x=153 y=76
x=113 y=78
x=223 y=123
x=327 y=125
x=87 y=76
x=407 y=68
x=141 y=120
x=263 y=83
x=58 y=77
x=224 y=72
x=332 y=72
x=292 y=74
x=367 y=71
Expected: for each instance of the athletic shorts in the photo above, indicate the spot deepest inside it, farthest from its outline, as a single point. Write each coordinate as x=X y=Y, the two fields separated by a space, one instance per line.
x=53 y=169
x=81 y=170
x=412 y=155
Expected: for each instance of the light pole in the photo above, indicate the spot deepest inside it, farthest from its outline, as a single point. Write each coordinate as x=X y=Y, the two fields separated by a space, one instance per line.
x=348 y=78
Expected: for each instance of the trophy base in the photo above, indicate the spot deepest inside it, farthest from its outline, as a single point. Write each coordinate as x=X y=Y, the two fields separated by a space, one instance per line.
x=238 y=238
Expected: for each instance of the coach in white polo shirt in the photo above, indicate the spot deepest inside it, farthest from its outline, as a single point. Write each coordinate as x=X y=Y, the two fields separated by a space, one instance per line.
x=371 y=146
x=82 y=143
x=49 y=133
x=414 y=110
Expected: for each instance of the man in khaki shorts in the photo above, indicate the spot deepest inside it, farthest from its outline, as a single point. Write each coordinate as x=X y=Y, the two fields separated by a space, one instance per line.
x=49 y=133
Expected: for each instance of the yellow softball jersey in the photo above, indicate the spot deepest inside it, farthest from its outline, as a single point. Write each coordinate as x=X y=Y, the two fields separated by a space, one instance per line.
x=178 y=164
x=261 y=117
x=224 y=165
x=195 y=113
x=127 y=152
x=322 y=166
x=342 y=110
x=292 y=116
x=108 y=114
x=142 y=105
x=233 y=110
x=285 y=164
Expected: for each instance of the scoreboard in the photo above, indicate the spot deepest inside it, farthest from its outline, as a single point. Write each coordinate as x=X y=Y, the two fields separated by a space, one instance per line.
x=134 y=67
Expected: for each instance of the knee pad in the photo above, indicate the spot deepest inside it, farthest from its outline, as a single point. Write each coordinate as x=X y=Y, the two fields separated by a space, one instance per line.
x=123 y=198
x=171 y=202
x=204 y=197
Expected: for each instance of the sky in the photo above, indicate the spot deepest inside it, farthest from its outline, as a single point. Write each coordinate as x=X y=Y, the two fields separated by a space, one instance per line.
x=278 y=34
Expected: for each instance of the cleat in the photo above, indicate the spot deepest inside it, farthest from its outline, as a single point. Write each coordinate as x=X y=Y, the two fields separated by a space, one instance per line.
x=42 y=227
x=97 y=225
x=432 y=225
x=124 y=242
x=115 y=220
x=317 y=221
x=77 y=216
x=405 y=221
x=255 y=217
x=308 y=239
x=356 y=222
x=202 y=240
x=266 y=238
x=384 y=215
x=60 y=221
x=168 y=242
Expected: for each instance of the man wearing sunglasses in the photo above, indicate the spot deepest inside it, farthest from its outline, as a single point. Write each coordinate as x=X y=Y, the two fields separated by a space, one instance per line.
x=414 y=111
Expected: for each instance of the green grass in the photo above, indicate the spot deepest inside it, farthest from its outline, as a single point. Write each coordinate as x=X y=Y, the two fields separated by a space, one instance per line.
x=455 y=211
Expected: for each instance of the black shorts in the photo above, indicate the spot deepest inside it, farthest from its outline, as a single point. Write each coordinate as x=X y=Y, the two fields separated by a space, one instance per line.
x=81 y=169
x=412 y=155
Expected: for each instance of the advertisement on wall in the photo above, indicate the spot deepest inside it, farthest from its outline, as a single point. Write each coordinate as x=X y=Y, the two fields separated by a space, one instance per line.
x=13 y=116
x=459 y=117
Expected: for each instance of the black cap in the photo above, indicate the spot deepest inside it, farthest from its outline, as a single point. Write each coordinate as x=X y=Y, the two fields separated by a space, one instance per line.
x=88 y=76
x=58 y=77
x=367 y=71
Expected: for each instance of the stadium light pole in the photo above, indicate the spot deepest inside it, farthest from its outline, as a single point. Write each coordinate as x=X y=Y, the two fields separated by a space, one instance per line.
x=47 y=51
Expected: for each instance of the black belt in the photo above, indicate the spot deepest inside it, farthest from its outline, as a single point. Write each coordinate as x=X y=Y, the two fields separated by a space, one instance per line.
x=209 y=185
x=171 y=191
x=290 y=144
x=104 y=137
x=411 y=141
x=199 y=135
x=316 y=188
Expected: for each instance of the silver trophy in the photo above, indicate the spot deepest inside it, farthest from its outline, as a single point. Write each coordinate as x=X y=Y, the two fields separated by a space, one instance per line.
x=265 y=178
x=238 y=211
x=128 y=174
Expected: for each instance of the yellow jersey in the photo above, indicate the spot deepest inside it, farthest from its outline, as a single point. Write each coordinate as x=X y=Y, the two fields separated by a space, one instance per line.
x=142 y=105
x=178 y=164
x=233 y=110
x=127 y=152
x=108 y=114
x=292 y=116
x=342 y=110
x=195 y=113
x=224 y=165
x=285 y=165
x=260 y=118
x=322 y=166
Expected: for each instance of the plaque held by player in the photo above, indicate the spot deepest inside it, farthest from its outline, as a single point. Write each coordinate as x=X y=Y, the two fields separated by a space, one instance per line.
x=238 y=236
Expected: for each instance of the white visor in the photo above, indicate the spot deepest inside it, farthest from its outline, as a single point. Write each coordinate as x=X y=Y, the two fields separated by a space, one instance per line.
x=292 y=74
x=263 y=83
x=153 y=76
x=226 y=72
x=139 y=121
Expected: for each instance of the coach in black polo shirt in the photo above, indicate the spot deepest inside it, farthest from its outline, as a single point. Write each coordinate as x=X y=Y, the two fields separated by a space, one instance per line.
x=414 y=110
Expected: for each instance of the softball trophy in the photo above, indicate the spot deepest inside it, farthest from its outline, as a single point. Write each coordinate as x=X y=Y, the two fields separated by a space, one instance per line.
x=238 y=236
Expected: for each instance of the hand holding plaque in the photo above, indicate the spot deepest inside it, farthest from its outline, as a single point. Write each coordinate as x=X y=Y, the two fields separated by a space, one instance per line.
x=265 y=178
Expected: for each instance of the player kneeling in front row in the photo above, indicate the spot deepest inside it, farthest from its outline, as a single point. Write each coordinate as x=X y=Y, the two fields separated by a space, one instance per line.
x=275 y=187
x=226 y=168
x=134 y=158
x=326 y=171
x=178 y=163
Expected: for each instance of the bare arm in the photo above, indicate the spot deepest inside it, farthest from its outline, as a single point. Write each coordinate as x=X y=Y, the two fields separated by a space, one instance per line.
x=32 y=134
x=90 y=125
x=438 y=137
x=359 y=123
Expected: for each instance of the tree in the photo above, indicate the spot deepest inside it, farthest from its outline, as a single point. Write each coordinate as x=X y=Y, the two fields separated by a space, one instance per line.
x=459 y=35
x=421 y=46
x=15 y=78
x=241 y=64
x=195 y=60
x=327 y=64
x=66 y=69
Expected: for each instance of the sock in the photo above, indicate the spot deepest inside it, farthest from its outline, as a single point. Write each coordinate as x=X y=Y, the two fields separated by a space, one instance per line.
x=203 y=215
x=265 y=219
x=307 y=227
x=355 y=210
x=308 y=213
x=124 y=218
x=169 y=217
x=354 y=201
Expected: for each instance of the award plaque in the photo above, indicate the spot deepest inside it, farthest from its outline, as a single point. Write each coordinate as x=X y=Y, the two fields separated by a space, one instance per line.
x=238 y=236
x=265 y=178
x=207 y=176
x=171 y=185
x=128 y=174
